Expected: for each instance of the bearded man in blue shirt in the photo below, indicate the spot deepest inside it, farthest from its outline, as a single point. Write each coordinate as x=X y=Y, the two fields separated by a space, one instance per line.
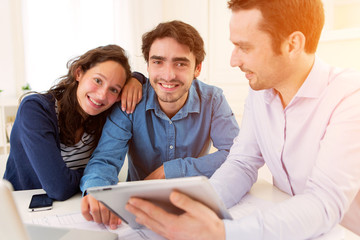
x=171 y=130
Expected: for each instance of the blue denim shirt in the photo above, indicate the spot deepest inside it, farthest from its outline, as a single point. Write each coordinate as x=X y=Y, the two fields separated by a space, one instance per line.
x=151 y=139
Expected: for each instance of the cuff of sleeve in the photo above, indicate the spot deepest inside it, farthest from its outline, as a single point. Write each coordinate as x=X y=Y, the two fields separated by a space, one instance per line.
x=173 y=169
x=247 y=228
x=91 y=183
x=139 y=76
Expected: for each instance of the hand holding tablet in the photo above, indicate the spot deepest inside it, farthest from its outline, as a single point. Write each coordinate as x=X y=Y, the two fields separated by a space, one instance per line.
x=115 y=197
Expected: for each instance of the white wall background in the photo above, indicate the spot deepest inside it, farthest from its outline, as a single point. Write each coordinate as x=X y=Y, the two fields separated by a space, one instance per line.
x=11 y=47
x=40 y=36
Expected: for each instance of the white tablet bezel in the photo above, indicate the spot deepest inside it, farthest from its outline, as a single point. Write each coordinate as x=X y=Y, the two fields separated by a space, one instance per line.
x=199 y=188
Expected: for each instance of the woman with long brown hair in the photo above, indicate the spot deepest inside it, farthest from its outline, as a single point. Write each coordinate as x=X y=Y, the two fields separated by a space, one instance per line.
x=55 y=132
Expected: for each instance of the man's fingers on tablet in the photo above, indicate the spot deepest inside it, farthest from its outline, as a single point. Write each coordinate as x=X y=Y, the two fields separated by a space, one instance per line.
x=114 y=221
x=142 y=217
x=105 y=214
x=190 y=206
x=95 y=209
x=85 y=209
x=145 y=209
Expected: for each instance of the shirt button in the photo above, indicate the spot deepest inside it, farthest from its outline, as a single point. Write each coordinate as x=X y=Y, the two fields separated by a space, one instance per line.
x=170 y=122
x=171 y=146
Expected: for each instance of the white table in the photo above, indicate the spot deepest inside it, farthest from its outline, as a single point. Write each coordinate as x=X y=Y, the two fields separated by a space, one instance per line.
x=262 y=190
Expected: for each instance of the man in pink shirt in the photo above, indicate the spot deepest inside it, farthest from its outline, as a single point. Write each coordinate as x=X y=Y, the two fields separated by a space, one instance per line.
x=301 y=118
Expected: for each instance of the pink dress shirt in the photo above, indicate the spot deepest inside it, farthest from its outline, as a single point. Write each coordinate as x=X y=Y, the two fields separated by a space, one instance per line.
x=312 y=148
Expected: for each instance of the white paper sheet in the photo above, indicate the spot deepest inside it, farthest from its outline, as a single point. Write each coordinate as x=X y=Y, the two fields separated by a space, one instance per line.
x=76 y=220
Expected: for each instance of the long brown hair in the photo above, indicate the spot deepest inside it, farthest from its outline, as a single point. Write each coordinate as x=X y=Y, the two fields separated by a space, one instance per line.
x=71 y=116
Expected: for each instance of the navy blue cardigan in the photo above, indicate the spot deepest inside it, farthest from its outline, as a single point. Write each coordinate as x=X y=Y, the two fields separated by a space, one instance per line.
x=35 y=158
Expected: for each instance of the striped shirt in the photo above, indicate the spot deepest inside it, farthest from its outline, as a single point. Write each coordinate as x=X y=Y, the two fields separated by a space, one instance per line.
x=78 y=155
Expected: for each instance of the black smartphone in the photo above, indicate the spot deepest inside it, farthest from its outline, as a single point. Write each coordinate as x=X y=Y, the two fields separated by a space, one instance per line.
x=40 y=202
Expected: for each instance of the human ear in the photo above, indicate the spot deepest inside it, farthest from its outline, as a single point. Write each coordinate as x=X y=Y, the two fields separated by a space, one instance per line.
x=78 y=74
x=296 y=43
x=147 y=66
x=197 y=70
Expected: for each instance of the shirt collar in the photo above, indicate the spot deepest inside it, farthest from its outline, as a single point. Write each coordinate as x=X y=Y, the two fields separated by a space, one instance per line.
x=316 y=81
x=313 y=85
x=192 y=104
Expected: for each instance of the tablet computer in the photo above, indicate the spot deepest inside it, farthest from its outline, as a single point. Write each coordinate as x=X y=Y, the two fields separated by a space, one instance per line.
x=115 y=197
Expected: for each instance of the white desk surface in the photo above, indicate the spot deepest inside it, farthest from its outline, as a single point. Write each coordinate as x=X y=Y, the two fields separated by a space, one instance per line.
x=261 y=190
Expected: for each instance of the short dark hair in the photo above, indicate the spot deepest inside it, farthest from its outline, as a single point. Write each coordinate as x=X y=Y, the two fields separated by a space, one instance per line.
x=182 y=32
x=283 y=17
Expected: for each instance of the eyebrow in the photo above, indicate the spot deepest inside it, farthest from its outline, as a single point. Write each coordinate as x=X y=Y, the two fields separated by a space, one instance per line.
x=157 y=57
x=242 y=43
x=175 y=59
x=180 y=59
x=103 y=76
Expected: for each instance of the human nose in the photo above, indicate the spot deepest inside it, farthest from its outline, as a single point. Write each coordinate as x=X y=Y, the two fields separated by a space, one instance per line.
x=236 y=60
x=101 y=93
x=168 y=73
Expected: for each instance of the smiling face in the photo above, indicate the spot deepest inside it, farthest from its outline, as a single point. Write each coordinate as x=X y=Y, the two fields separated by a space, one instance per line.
x=253 y=52
x=171 y=69
x=100 y=86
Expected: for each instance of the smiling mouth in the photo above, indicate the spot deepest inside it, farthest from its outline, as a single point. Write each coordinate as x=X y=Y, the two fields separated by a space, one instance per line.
x=248 y=74
x=168 y=86
x=246 y=71
x=94 y=102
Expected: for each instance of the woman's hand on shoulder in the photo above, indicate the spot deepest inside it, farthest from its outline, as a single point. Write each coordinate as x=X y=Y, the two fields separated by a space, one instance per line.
x=131 y=95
